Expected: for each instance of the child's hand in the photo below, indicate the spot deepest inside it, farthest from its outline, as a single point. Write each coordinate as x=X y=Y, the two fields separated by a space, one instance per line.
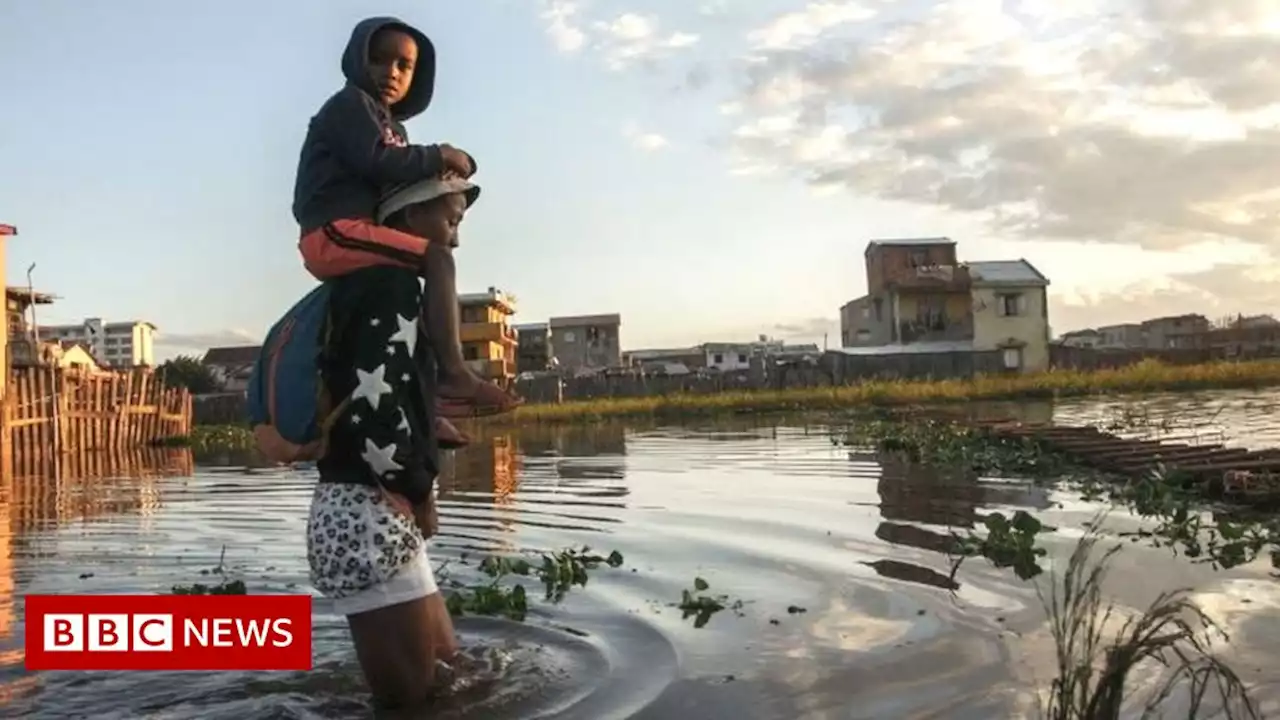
x=456 y=161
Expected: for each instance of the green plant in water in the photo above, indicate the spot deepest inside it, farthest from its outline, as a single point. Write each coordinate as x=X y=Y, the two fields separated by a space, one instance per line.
x=1008 y=542
x=225 y=586
x=1094 y=670
x=558 y=572
x=701 y=607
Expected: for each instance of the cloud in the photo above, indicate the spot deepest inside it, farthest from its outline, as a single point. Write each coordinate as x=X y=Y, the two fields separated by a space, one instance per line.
x=1145 y=123
x=1157 y=126
x=630 y=38
x=647 y=141
x=561 y=18
x=1153 y=123
x=797 y=29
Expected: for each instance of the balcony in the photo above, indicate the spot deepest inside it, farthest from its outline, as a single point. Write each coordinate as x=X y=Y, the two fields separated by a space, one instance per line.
x=941 y=330
x=487 y=332
x=936 y=278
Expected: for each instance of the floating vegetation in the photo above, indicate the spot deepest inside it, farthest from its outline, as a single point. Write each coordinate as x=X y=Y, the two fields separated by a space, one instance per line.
x=701 y=607
x=1094 y=670
x=1008 y=542
x=558 y=572
x=1169 y=498
x=225 y=586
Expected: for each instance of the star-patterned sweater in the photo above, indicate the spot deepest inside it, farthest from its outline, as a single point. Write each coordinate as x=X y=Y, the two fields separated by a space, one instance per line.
x=373 y=356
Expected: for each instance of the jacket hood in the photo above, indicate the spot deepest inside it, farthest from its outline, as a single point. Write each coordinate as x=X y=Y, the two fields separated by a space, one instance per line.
x=355 y=65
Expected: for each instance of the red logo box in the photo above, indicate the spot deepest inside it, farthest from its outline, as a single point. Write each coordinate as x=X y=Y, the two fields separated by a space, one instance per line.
x=168 y=632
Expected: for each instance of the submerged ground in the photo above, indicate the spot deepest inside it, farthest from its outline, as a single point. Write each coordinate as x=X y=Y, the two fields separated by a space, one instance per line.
x=835 y=556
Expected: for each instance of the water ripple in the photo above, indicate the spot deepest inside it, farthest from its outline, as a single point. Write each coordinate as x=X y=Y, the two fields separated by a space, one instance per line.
x=838 y=559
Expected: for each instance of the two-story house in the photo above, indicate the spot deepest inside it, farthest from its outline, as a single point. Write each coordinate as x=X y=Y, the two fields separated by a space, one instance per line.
x=1011 y=313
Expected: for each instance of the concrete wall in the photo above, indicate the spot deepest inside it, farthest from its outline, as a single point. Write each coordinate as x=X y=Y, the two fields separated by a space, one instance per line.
x=587 y=346
x=1028 y=329
x=889 y=264
x=862 y=326
x=846 y=368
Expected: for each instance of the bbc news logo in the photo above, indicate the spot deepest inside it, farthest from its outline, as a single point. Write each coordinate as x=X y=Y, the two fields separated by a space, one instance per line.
x=168 y=632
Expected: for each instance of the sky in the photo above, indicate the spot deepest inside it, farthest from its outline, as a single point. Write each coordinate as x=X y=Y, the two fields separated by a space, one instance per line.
x=710 y=170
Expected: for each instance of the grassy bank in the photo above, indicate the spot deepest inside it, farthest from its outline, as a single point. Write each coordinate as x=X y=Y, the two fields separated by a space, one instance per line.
x=1145 y=377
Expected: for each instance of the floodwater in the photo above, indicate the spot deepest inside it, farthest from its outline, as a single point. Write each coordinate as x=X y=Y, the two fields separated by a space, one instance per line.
x=837 y=558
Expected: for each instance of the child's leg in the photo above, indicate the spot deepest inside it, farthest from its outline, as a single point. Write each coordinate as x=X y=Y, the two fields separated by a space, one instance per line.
x=442 y=318
x=344 y=246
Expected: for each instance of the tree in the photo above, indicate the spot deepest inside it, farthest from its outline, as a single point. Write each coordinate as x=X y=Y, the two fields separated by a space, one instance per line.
x=188 y=372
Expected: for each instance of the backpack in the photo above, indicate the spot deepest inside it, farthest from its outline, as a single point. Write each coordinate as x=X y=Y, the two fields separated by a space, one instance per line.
x=289 y=410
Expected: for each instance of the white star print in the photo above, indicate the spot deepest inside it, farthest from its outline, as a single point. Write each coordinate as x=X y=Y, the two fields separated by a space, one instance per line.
x=380 y=458
x=355 y=419
x=374 y=322
x=404 y=421
x=372 y=385
x=404 y=377
x=391 y=349
x=407 y=334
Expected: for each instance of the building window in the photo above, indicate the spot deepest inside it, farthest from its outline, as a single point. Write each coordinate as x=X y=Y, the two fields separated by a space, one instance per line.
x=593 y=334
x=568 y=336
x=718 y=359
x=866 y=313
x=919 y=258
x=1012 y=304
x=742 y=358
x=1013 y=358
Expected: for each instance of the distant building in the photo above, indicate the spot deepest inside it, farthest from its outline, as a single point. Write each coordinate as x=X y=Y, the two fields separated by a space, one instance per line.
x=489 y=343
x=534 y=350
x=1125 y=336
x=584 y=342
x=119 y=344
x=1174 y=331
x=666 y=360
x=71 y=354
x=232 y=366
x=1011 y=313
x=919 y=293
x=1088 y=338
x=23 y=348
x=729 y=357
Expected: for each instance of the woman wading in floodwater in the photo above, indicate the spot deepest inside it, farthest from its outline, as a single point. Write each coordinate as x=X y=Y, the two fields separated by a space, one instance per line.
x=373 y=509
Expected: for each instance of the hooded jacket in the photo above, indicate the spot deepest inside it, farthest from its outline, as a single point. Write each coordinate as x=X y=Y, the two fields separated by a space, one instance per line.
x=356 y=147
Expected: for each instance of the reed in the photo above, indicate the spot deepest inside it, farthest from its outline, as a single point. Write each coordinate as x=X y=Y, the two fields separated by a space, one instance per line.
x=1096 y=668
x=1144 y=377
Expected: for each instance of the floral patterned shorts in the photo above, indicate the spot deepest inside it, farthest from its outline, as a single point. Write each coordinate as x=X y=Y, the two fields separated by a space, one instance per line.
x=363 y=554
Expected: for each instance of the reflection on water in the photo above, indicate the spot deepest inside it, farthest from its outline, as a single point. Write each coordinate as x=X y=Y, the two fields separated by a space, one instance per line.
x=839 y=558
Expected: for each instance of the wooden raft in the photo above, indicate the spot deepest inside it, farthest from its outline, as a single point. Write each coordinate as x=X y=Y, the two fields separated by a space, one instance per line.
x=1253 y=474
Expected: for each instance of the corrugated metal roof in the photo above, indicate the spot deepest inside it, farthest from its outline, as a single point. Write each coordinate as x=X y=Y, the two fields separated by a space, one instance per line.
x=913 y=241
x=1006 y=272
x=923 y=348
